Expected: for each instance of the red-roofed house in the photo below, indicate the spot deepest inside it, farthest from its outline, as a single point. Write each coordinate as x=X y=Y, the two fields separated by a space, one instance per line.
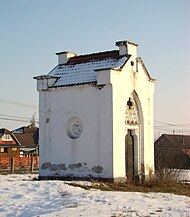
x=22 y=141
x=27 y=137
x=9 y=147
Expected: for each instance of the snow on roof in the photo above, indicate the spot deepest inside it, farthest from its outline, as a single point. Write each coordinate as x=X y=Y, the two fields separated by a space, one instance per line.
x=82 y=69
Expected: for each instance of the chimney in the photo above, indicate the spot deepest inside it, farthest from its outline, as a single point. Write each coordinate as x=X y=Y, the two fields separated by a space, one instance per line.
x=127 y=47
x=63 y=57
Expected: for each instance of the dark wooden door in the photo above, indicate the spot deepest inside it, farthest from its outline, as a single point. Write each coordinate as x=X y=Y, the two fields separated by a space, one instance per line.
x=129 y=155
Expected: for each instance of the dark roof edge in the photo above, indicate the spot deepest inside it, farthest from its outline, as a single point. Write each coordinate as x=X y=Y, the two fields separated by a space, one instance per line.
x=97 y=53
x=139 y=59
x=118 y=43
x=64 y=52
x=68 y=85
x=40 y=77
x=116 y=69
x=86 y=57
x=175 y=135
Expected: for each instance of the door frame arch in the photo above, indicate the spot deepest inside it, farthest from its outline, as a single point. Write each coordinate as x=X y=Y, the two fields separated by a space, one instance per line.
x=137 y=133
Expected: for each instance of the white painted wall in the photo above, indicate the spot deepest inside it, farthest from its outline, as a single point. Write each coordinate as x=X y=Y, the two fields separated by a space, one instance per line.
x=93 y=147
x=124 y=83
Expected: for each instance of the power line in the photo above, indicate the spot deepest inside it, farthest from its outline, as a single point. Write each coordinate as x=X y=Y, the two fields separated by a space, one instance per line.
x=164 y=123
x=13 y=116
x=18 y=120
x=174 y=125
x=18 y=103
x=11 y=119
x=166 y=127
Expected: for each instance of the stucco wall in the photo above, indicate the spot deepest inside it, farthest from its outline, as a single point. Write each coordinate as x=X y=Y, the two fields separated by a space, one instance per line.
x=124 y=83
x=91 y=153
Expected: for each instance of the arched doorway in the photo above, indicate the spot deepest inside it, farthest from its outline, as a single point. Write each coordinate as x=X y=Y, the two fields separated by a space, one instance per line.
x=129 y=155
x=133 y=137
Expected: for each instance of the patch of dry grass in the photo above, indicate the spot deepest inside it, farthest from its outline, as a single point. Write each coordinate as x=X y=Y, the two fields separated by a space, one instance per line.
x=153 y=185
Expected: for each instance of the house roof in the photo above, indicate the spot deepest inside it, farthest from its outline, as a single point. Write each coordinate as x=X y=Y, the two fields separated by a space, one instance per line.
x=26 y=136
x=26 y=129
x=8 y=141
x=26 y=139
x=172 y=151
x=181 y=141
x=4 y=131
x=82 y=69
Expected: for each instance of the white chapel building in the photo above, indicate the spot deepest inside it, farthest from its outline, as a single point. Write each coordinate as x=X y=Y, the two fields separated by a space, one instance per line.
x=96 y=116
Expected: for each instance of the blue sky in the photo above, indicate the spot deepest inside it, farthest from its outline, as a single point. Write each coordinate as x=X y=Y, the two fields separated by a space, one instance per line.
x=33 y=31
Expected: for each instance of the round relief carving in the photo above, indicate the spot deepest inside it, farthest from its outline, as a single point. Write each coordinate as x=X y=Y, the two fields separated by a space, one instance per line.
x=74 y=127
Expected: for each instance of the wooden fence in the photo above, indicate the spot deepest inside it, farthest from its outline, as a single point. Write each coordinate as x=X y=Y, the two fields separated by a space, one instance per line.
x=19 y=164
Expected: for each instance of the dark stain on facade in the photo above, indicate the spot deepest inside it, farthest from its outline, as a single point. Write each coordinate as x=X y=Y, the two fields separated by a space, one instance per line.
x=97 y=169
x=75 y=166
x=53 y=167
x=78 y=167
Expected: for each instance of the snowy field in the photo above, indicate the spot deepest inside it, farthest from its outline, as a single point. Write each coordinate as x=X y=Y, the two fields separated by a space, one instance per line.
x=20 y=196
x=185 y=175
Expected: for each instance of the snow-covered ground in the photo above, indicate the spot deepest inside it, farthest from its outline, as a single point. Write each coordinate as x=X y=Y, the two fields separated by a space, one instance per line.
x=20 y=196
x=184 y=175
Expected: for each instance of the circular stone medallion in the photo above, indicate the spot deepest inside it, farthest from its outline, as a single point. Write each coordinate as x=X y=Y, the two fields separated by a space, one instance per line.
x=74 y=127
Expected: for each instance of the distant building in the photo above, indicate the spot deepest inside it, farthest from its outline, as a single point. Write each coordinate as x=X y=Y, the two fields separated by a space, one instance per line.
x=172 y=151
x=96 y=116
x=27 y=137
x=9 y=147
x=22 y=141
